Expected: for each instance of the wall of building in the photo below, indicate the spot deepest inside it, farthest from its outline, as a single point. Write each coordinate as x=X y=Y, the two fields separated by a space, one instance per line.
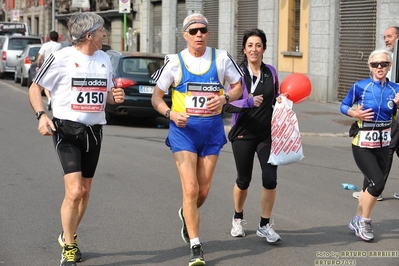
x=267 y=21
x=323 y=49
x=146 y=31
x=227 y=13
x=387 y=16
x=169 y=26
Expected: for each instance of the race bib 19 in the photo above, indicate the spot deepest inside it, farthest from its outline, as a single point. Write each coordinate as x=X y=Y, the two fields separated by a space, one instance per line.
x=197 y=95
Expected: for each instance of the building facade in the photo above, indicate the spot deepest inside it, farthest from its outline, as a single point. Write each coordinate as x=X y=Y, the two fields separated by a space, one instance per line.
x=328 y=40
x=39 y=16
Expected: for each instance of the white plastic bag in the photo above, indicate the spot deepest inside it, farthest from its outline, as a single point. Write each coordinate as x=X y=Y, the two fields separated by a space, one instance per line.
x=286 y=138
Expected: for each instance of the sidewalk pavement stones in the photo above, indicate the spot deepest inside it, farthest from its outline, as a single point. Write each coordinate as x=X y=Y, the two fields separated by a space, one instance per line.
x=316 y=119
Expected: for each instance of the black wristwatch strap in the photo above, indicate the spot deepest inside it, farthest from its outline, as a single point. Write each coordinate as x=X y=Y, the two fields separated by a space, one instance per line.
x=167 y=114
x=227 y=97
x=39 y=114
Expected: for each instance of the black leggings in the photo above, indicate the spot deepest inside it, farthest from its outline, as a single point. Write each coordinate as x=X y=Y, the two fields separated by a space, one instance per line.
x=373 y=163
x=244 y=152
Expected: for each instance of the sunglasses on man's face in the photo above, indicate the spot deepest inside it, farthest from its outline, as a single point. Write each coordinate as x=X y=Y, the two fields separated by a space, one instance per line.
x=382 y=64
x=194 y=31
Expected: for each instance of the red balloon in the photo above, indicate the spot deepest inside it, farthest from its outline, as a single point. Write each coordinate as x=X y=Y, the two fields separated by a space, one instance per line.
x=297 y=86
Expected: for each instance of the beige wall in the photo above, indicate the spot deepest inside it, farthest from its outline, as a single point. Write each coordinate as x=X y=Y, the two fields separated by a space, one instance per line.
x=289 y=61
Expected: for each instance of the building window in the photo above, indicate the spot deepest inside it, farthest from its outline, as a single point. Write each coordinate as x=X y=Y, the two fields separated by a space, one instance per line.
x=294 y=22
x=293 y=36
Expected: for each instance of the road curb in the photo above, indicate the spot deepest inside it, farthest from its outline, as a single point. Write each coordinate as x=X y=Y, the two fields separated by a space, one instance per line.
x=345 y=134
x=309 y=134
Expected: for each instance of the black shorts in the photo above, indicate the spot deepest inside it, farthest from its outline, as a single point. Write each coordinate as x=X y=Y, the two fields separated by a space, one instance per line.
x=80 y=155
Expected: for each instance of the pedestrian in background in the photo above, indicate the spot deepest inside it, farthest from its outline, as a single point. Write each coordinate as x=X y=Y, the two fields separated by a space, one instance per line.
x=45 y=50
x=196 y=130
x=80 y=81
x=251 y=133
x=377 y=101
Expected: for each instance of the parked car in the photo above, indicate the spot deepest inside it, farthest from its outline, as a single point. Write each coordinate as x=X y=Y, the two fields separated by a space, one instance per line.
x=24 y=62
x=32 y=70
x=106 y=47
x=132 y=71
x=11 y=46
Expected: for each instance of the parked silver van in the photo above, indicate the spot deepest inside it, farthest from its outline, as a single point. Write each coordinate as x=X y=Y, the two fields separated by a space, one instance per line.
x=11 y=46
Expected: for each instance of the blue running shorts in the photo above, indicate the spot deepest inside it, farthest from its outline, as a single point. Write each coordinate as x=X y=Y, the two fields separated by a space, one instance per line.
x=202 y=135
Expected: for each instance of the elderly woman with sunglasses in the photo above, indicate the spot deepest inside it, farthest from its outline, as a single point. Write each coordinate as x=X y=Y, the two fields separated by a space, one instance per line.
x=196 y=132
x=377 y=101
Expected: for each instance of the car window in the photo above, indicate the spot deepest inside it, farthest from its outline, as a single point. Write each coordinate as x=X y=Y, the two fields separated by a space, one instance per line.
x=19 y=44
x=141 y=66
x=33 y=51
x=2 y=42
x=15 y=44
x=34 y=41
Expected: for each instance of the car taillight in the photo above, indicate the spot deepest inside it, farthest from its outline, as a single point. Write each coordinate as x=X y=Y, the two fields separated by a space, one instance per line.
x=124 y=82
x=27 y=60
x=4 y=56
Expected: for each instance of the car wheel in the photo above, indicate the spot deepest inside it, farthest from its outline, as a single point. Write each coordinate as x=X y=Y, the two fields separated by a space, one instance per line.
x=110 y=118
x=1 y=75
x=24 y=81
x=29 y=81
x=16 y=78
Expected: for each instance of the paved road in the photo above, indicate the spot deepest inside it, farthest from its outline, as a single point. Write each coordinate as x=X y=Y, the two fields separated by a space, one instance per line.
x=132 y=216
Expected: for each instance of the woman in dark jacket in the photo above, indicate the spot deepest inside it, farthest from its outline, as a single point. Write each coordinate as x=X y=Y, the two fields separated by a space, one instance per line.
x=251 y=133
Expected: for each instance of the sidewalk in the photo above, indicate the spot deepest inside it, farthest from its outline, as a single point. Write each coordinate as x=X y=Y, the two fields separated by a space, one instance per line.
x=317 y=119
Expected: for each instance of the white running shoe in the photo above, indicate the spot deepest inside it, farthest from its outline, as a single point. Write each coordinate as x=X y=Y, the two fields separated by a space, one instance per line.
x=356 y=195
x=365 y=229
x=237 y=229
x=354 y=226
x=396 y=195
x=268 y=232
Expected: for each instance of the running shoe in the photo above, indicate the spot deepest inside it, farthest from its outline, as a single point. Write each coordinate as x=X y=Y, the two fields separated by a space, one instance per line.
x=357 y=193
x=396 y=195
x=184 y=232
x=365 y=229
x=353 y=225
x=196 y=256
x=68 y=255
x=237 y=229
x=268 y=232
x=61 y=241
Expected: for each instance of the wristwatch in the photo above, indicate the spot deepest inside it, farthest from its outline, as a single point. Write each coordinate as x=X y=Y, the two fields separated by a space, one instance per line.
x=227 y=97
x=167 y=114
x=39 y=114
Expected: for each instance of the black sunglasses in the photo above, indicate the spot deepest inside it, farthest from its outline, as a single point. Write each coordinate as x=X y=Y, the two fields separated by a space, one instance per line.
x=195 y=30
x=382 y=64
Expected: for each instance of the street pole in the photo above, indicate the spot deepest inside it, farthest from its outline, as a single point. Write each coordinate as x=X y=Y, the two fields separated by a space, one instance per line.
x=53 y=14
x=124 y=32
